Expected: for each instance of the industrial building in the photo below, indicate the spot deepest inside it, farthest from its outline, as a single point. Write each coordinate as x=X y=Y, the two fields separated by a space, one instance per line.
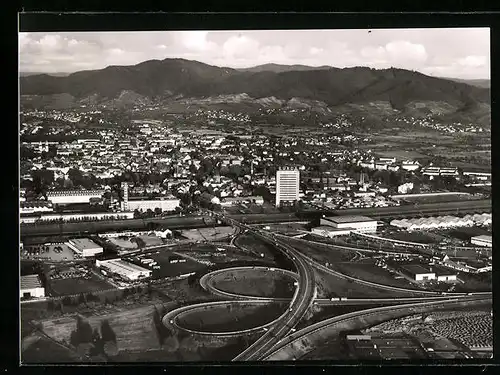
x=444 y=274
x=327 y=231
x=125 y=270
x=73 y=196
x=29 y=207
x=357 y=223
x=287 y=185
x=482 y=241
x=31 y=287
x=165 y=204
x=418 y=273
x=85 y=247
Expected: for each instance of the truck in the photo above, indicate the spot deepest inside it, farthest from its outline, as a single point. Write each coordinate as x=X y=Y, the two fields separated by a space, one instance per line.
x=334 y=299
x=343 y=298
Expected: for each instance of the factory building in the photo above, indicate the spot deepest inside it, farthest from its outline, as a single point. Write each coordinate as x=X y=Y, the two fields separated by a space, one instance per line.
x=30 y=207
x=357 y=223
x=166 y=204
x=85 y=247
x=443 y=274
x=486 y=241
x=327 y=231
x=287 y=185
x=73 y=196
x=31 y=287
x=125 y=270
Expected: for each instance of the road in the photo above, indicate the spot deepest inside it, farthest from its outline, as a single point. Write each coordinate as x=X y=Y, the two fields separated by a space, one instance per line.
x=400 y=310
x=305 y=293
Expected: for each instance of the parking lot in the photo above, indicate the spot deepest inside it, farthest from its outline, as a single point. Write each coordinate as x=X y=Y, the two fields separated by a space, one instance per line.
x=56 y=253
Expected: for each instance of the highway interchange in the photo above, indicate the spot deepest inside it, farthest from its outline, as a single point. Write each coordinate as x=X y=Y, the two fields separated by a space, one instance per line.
x=304 y=296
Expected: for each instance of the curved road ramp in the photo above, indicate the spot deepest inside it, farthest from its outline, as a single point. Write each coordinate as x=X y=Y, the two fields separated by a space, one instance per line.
x=302 y=342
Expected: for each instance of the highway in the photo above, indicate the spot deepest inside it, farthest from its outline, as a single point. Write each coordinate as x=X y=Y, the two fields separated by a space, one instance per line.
x=304 y=295
x=400 y=310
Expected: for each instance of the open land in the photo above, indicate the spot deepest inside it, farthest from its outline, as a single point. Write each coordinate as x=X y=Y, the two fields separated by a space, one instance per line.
x=72 y=286
x=234 y=317
x=257 y=282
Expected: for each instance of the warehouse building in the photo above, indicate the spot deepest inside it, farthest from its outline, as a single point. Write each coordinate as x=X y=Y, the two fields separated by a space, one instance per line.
x=418 y=273
x=125 y=270
x=31 y=287
x=327 y=231
x=482 y=241
x=443 y=274
x=85 y=247
x=73 y=196
x=357 y=223
x=165 y=204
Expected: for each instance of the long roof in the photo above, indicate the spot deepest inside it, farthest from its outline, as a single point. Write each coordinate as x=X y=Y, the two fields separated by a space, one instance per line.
x=84 y=243
x=349 y=219
x=30 y=282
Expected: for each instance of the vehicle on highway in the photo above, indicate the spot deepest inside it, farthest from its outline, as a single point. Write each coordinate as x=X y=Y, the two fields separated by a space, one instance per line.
x=334 y=299
x=296 y=284
x=272 y=269
x=343 y=299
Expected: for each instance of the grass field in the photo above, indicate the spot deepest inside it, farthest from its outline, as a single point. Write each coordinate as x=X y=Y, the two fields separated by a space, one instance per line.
x=464 y=234
x=417 y=237
x=322 y=254
x=329 y=286
x=370 y=272
x=77 y=285
x=235 y=317
x=259 y=283
x=251 y=243
x=47 y=351
x=151 y=240
x=441 y=198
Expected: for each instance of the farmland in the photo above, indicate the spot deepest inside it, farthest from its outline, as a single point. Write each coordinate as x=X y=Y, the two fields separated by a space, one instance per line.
x=233 y=317
x=258 y=282
x=72 y=286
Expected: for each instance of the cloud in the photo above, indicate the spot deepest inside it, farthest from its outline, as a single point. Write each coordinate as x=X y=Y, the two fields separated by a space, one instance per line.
x=473 y=61
x=431 y=51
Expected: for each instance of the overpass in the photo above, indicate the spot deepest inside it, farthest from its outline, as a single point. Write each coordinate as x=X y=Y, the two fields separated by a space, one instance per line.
x=307 y=338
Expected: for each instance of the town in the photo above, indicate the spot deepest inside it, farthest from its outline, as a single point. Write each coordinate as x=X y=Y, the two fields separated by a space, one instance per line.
x=205 y=218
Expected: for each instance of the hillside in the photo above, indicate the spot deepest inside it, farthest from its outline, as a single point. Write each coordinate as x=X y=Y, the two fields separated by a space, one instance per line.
x=483 y=83
x=277 y=68
x=172 y=80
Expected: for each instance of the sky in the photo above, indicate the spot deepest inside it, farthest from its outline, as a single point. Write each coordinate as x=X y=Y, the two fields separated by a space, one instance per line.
x=455 y=53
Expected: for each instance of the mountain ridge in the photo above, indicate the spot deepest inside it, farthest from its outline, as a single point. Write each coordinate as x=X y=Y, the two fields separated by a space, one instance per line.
x=174 y=78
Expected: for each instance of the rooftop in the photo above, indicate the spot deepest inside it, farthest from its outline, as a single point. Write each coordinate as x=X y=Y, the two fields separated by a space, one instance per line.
x=483 y=237
x=332 y=229
x=349 y=219
x=30 y=282
x=84 y=243
x=415 y=269
x=124 y=266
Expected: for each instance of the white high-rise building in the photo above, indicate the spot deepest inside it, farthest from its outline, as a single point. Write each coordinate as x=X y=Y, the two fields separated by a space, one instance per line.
x=287 y=185
x=125 y=206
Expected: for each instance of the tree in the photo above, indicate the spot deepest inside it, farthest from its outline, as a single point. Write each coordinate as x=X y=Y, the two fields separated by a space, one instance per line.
x=107 y=332
x=81 y=299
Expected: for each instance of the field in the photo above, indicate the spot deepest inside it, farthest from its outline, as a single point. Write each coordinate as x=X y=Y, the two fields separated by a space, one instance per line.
x=400 y=154
x=134 y=328
x=418 y=237
x=322 y=254
x=251 y=243
x=66 y=254
x=46 y=351
x=208 y=234
x=367 y=270
x=329 y=286
x=259 y=283
x=464 y=234
x=72 y=286
x=234 y=317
